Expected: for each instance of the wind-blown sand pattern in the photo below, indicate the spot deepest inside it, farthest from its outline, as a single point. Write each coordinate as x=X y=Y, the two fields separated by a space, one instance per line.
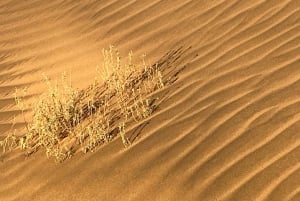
x=228 y=128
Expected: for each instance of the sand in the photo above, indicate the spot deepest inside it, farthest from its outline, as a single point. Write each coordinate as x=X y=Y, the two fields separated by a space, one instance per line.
x=228 y=129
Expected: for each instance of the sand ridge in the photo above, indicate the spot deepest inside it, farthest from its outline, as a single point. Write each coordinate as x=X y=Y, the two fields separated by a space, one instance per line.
x=226 y=130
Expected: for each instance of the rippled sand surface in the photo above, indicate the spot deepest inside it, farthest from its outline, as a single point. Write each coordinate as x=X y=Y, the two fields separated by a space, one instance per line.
x=229 y=129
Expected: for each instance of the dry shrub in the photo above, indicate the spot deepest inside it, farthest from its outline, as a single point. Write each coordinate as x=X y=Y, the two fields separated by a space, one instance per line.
x=63 y=118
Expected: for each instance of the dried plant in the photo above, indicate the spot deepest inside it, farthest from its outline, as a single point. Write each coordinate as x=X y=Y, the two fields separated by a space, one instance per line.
x=63 y=118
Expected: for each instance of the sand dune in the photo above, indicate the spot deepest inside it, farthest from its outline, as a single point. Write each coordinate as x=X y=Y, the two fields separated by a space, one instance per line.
x=227 y=129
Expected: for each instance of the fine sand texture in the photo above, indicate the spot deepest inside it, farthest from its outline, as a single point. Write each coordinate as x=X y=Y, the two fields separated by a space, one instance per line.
x=226 y=129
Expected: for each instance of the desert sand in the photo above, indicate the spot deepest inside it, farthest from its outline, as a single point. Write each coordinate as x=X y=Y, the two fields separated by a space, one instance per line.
x=226 y=130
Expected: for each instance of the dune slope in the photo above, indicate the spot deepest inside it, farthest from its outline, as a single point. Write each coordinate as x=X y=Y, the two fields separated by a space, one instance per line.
x=227 y=129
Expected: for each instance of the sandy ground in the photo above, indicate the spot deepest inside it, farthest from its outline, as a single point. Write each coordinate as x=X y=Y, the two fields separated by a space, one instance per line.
x=228 y=130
